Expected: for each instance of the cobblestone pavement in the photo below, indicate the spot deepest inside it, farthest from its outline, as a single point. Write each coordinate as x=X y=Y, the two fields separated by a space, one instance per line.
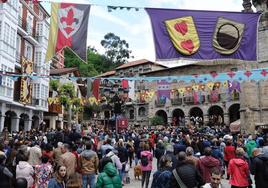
x=137 y=183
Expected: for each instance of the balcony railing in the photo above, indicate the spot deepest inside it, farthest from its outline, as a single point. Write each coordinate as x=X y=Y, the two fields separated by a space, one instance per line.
x=160 y=103
x=176 y=101
x=191 y=100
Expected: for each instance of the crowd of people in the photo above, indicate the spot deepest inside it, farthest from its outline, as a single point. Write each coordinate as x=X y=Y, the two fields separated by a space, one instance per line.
x=93 y=157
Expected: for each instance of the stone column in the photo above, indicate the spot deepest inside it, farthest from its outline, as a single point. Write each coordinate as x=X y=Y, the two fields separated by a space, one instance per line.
x=2 y=122
x=226 y=118
x=27 y=124
x=3 y=110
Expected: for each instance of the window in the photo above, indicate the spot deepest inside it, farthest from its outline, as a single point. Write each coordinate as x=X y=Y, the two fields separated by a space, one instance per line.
x=36 y=91
x=28 y=51
x=41 y=15
x=6 y=81
x=0 y=28
x=9 y=40
x=29 y=26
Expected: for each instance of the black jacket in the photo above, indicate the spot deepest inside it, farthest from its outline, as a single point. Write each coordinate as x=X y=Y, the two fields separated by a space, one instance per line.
x=259 y=168
x=188 y=174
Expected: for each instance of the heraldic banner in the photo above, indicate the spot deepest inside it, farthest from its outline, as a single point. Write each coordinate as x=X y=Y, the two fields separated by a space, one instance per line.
x=68 y=28
x=26 y=85
x=204 y=35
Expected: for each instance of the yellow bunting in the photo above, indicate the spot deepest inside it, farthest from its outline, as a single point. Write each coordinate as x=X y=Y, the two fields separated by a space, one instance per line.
x=181 y=90
x=195 y=87
x=210 y=85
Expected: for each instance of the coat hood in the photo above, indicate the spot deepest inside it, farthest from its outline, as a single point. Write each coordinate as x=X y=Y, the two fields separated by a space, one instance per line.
x=239 y=162
x=110 y=169
x=23 y=165
x=251 y=142
x=146 y=153
x=110 y=154
x=209 y=161
x=88 y=154
x=263 y=157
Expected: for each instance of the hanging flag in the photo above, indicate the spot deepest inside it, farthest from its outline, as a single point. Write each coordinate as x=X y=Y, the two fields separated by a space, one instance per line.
x=96 y=88
x=163 y=90
x=68 y=28
x=26 y=84
x=89 y=87
x=131 y=93
x=207 y=35
x=124 y=84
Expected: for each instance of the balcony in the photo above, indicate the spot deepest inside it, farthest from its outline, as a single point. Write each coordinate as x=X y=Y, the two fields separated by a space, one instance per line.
x=191 y=100
x=176 y=101
x=160 y=103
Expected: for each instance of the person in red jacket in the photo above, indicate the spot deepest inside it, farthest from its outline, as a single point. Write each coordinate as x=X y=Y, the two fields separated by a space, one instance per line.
x=229 y=153
x=239 y=170
x=206 y=164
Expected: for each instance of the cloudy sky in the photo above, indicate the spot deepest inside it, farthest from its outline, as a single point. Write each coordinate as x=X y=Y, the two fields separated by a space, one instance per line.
x=134 y=26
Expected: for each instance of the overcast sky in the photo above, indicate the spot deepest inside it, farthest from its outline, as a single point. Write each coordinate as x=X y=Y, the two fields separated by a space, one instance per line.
x=134 y=26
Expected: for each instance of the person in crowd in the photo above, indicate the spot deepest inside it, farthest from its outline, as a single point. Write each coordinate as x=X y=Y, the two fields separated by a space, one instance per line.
x=162 y=177
x=187 y=172
x=5 y=175
x=89 y=164
x=43 y=173
x=57 y=153
x=24 y=169
x=170 y=153
x=68 y=160
x=190 y=156
x=250 y=145
x=239 y=170
x=206 y=163
x=259 y=168
x=131 y=150
x=215 y=179
x=59 y=181
x=146 y=165
x=159 y=151
x=123 y=156
x=35 y=154
x=48 y=151
x=107 y=145
x=108 y=176
x=116 y=161
x=229 y=153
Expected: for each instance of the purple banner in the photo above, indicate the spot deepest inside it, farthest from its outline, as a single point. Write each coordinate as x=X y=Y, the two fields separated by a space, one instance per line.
x=163 y=90
x=207 y=35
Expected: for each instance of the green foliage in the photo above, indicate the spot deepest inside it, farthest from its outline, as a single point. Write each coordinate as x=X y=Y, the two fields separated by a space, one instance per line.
x=157 y=120
x=116 y=50
x=54 y=85
x=71 y=60
x=67 y=90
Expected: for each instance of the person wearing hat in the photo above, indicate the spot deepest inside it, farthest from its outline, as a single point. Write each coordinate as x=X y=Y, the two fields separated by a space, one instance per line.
x=5 y=174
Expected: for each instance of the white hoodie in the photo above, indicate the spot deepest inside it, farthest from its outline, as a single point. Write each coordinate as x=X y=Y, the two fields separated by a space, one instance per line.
x=25 y=170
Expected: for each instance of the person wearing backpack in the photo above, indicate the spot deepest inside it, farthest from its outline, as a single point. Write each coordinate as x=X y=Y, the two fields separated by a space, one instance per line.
x=259 y=169
x=146 y=165
x=162 y=177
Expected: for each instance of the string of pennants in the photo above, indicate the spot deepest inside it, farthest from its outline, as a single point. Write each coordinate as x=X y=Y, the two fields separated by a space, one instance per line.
x=240 y=76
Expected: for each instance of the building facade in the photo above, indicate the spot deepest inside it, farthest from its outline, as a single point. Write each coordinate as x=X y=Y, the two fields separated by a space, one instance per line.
x=24 y=31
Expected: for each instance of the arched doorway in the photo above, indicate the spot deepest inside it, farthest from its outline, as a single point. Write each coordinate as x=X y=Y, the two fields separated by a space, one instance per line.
x=234 y=113
x=196 y=116
x=23 y=120
x=162 y=114
x=10 y=119
x=178 y=117
x=35 y=122
x=131 y=114
x=216 y=115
